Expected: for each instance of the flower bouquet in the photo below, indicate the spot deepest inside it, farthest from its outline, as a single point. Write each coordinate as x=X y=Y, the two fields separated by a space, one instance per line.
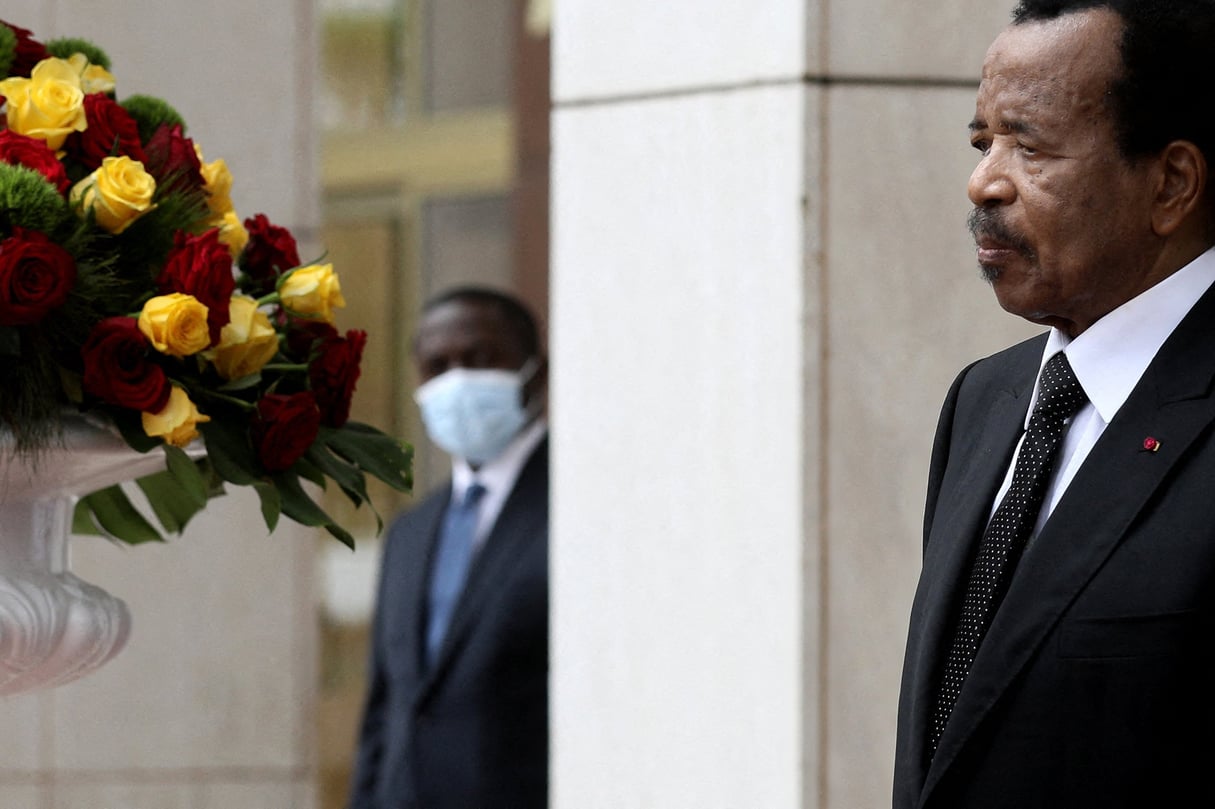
x=130 y=288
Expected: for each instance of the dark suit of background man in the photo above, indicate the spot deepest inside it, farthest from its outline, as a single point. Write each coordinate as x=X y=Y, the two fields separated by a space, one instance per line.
x=1094 y=684
x=457 y=718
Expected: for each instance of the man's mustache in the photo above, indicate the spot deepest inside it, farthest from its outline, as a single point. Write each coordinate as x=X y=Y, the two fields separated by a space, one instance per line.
x=986 y=225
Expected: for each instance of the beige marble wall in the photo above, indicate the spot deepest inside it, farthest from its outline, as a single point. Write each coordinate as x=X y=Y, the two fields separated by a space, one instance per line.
x=743 y=406
x=211 y=704
x=907 y=305
x=907 y=310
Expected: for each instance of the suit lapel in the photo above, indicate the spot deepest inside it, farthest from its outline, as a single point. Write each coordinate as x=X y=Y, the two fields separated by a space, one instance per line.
x=962 y=512
x=523 y=518
x=1170 y=403
x=416 y=575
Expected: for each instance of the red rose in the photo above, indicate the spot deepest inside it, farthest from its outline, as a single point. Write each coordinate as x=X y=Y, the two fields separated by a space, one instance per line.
x=36 y=276
x=172 y=161
x=21 y=150
x=284 y=428
x=304 y=334
x=201 y=266
x=28 y=52
x=271 y=251
x=111 y=132
x=333 y=374
x=118 y=368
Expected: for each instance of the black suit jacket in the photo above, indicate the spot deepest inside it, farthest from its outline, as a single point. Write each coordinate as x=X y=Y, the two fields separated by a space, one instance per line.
x=472 y=732
x=1095 y=686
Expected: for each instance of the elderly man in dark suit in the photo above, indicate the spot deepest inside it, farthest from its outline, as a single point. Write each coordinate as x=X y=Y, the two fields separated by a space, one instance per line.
x=1061 y=650
x=457 y=706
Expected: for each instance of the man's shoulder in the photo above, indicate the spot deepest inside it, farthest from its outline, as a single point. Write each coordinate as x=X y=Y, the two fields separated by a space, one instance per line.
x=1027 y=351
x=1008 y=366
x=414 y=518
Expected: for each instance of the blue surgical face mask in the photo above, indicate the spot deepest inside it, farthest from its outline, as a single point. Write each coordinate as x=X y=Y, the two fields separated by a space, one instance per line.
x=474 y=413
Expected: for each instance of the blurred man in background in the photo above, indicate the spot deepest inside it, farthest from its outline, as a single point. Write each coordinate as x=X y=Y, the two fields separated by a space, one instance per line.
x=457 y=707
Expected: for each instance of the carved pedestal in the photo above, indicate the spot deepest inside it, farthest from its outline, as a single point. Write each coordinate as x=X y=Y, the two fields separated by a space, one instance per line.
x=55 y=627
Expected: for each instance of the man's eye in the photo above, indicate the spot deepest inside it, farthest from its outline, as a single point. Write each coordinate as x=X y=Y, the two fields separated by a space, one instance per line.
x=1029 y=151
x=982 y=145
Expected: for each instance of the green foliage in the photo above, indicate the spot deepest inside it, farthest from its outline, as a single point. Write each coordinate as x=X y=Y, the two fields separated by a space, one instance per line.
x=30 y=380
x=185 y=487
x=65 y=47
x=8 y=50
x=300 y=507
x=346 y=455
x=150 y=113
x=111 y=511
x=370 y=450
x=28 y=200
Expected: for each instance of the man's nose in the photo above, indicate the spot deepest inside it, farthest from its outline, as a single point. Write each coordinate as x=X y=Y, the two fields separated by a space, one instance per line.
x=989 y=182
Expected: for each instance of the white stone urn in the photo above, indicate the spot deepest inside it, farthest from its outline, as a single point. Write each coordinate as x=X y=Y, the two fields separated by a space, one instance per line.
x=55 y=627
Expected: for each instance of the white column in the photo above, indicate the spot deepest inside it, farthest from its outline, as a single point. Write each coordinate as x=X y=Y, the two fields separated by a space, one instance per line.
x=685 y=366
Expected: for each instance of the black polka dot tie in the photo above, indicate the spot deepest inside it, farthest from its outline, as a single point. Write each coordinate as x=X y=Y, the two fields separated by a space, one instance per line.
x=1059 y=397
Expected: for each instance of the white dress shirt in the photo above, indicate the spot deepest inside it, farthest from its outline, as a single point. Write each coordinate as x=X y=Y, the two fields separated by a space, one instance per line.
x=497 y=476
x=1108 y=359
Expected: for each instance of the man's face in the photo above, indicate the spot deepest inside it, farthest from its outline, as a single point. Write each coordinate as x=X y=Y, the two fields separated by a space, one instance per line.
x=464 y=334
x=1062 y=220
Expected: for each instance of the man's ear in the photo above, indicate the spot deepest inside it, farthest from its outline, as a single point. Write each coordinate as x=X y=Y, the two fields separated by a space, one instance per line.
x=1181 y=187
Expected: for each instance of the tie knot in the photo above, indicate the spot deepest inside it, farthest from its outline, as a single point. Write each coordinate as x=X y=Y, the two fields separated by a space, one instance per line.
x=1059 y=392
x=472 y=495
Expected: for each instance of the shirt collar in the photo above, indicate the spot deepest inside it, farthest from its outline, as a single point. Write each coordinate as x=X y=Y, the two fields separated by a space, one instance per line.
x=1110 y=356
x=498 y=475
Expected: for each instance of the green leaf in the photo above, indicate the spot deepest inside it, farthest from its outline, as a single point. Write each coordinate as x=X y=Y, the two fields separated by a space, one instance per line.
x=231 y=457
x=229 y=452
x=173 y=504
x=347 y=476
x=272 y=503
x=244 y=383
x=300 y=507
x=116 y=515
x=82 y=520
x=187 y=474
x=374 y=452
x=296 y=503
x=340 y=534
x=309 y=472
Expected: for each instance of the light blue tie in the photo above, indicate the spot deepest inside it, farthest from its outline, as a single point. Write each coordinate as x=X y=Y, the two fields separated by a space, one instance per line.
x=452 y=560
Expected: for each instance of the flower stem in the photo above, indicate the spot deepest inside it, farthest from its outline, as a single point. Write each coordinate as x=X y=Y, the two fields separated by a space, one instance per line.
x=241 y=403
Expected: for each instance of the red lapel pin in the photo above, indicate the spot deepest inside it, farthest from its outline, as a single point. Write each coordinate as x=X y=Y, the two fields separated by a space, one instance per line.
x=1150 y=444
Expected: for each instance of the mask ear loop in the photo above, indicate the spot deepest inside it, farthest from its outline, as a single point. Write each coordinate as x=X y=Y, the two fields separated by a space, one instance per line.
x=526 y=373
x=528 y=369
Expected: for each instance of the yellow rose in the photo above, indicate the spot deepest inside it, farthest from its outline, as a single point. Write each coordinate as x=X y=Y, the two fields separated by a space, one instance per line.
x=118 y=192
x=93 y=78
x=217 y=180
x=247 y=343
x=178 y=422
x=233 y=233
x=175 y=324
x=312 y=292
x=49 y=105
